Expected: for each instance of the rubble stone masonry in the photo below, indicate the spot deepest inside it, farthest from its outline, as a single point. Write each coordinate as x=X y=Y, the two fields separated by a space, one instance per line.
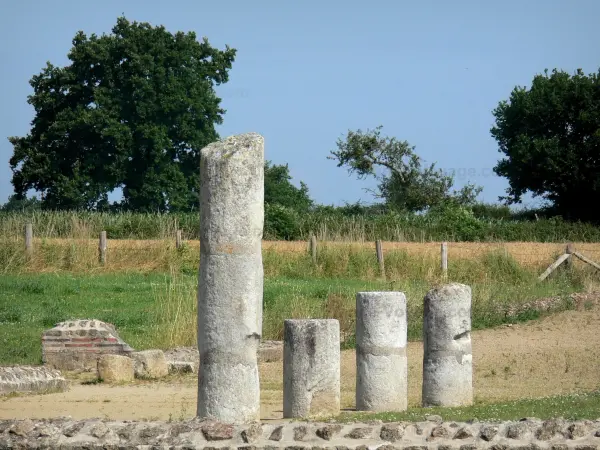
x=434 y=434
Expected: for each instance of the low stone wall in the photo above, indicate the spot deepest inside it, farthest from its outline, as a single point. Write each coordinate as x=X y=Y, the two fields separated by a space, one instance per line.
x=31 y=379
x=526 y=434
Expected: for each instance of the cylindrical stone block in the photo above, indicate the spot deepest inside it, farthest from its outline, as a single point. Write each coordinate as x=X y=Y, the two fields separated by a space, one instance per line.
x=230 y=282
x=447 y=357
x=381 y=362
x=311 y=368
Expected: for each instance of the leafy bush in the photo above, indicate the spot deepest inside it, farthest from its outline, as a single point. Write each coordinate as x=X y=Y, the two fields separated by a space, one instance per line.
x=281 y=222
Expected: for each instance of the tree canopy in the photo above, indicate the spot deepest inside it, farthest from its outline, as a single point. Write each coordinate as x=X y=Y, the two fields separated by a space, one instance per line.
x=405 y=183
x=132 y=110
x=279 y=189
x=24 y=204
x=550 y=136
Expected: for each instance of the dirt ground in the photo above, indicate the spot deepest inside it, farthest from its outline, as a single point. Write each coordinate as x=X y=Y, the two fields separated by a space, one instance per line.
x=556 y=355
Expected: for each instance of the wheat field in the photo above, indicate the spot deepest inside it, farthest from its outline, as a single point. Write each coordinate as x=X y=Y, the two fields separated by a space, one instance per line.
x=525 y=253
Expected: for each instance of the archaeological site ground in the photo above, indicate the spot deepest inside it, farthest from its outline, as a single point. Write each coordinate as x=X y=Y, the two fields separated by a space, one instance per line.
x=233 y=341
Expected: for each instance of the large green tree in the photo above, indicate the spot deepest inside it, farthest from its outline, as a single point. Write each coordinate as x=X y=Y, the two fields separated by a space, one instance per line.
x=132 y=110
x=550 y=136
x=15 y=203
x=403 y=182
x=280 y=190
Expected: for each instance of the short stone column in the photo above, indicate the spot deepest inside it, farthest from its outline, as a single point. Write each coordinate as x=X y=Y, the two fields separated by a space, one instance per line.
x=311 y=368
x=230 y=282
x=447 y=357
x=381 y=362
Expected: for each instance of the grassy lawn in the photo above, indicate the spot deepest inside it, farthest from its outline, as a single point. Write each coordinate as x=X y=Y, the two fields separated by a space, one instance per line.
x=30 y=304
x=153 y=310
x=570 y=407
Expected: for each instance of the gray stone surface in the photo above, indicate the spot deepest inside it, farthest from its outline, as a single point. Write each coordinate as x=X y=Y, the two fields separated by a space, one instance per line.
x=381 y=361
x=447 y=355
x=230 y=282
x=181 y=367
x=115 y=368
x=150 y=364
x=66 y=433
x=31 y=379
x=311 y=368
x=268 y=351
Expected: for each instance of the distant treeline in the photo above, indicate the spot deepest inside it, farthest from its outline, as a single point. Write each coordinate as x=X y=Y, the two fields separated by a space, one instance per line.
x=351 y=222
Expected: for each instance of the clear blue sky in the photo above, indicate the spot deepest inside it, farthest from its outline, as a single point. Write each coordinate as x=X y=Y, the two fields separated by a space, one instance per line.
x=430 y=71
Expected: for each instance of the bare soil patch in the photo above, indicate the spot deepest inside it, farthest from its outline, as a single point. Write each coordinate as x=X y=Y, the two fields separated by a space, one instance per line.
x=556 y=355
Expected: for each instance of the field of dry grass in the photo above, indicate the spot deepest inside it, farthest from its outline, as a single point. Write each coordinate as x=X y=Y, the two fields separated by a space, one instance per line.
x=146 y=254
x=526 y=253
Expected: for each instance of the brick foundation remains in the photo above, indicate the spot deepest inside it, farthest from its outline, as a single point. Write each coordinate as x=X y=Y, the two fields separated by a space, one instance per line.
x=75 y=345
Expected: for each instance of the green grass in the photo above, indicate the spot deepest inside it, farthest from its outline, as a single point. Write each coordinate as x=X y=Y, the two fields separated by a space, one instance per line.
x=570 y=407
x=30 y=304
x=156 y=310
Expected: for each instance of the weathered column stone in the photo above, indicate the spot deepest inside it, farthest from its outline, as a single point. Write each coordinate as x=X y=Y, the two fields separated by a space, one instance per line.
x=311 y=368
x=447 y=358
x=381 y=362
x=230 y=282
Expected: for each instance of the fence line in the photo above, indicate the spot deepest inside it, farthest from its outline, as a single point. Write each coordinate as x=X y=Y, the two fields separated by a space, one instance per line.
x=379 y=252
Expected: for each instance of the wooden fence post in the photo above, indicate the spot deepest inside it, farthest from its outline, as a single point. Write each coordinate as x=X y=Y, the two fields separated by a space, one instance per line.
x=554 y=265
x=444 y=256
x=102 y=248
x=313 y=248
x=587 y=260
x=178 y=239
x=379 y=251
x=29 y=239
x=569 y=251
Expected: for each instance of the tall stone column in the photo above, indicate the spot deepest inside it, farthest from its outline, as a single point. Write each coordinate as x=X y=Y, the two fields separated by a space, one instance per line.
x=447 y=356
x=230 y=281
x=381 y=362
x=311 y=368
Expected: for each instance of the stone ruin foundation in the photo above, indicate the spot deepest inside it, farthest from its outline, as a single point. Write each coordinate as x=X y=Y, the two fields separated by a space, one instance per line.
x=32 y=379
x=75 y=345
x=433 y=434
